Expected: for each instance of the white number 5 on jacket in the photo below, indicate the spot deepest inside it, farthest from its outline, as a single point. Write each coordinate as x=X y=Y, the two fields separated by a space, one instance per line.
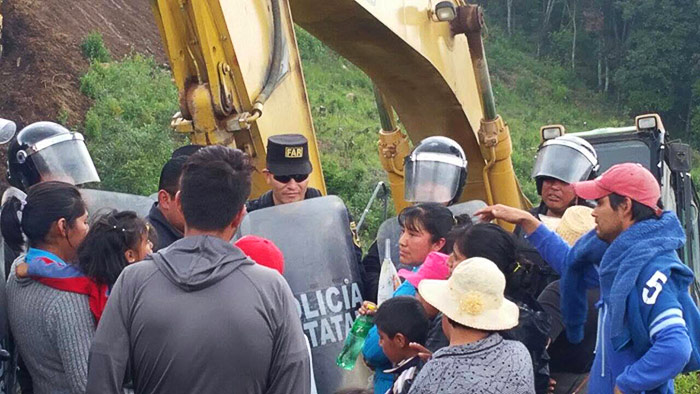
x=654 y=285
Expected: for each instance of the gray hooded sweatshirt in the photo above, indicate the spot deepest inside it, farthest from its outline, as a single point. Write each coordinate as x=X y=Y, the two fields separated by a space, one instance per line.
x=200 y=317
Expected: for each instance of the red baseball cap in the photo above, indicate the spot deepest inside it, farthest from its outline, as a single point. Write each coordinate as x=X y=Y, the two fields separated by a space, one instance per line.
x=628 y=180
x=262 y=251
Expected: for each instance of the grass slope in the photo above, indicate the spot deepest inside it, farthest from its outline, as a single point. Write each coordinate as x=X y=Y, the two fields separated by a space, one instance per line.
x=127 y=127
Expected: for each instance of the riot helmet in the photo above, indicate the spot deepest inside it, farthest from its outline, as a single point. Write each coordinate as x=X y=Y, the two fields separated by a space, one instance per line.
x=48 y=151
x=435 y=171
x=567 y=158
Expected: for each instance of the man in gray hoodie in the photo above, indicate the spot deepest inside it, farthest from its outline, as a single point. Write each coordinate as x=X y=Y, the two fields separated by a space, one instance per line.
x=199 y=316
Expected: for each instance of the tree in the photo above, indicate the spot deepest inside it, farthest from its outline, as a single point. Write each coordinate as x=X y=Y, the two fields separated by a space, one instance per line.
x=509 y=18
x=572 y=13
x=547 y=8
x=657 y=72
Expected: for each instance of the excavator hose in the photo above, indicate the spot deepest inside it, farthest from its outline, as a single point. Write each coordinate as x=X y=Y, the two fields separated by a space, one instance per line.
x=275 y=74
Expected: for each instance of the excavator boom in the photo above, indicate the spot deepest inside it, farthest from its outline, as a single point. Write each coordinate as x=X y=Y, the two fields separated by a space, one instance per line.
x=238 y=72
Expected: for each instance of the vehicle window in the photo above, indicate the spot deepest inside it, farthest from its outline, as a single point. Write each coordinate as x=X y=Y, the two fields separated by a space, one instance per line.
x=611 y=153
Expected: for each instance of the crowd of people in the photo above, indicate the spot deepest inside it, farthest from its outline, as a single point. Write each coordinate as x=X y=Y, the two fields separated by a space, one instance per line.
x=588 y=294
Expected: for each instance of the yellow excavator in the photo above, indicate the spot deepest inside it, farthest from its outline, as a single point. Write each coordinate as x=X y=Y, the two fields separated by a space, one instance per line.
x=239 y=76
x=237 y=69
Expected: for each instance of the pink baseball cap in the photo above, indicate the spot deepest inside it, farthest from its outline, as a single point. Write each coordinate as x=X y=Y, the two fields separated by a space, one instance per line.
x=434 y=267
x=262 y=251
x=628 y=180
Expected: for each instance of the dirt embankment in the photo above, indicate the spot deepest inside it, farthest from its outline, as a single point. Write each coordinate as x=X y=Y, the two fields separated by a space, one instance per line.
x=42 y=63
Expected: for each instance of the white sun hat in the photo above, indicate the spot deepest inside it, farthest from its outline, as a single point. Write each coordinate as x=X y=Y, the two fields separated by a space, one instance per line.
x=473 y=296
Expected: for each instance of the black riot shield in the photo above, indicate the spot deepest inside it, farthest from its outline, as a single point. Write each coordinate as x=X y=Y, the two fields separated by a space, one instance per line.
x=98 y=200
x=321 y=268
x=390 y=229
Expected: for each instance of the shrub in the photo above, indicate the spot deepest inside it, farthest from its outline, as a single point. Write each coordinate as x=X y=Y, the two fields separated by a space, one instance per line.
x=93 y=48
x=127 y=128
x=687 y=383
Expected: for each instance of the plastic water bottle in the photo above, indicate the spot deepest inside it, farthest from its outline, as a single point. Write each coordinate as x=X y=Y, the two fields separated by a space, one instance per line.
x=355 y=340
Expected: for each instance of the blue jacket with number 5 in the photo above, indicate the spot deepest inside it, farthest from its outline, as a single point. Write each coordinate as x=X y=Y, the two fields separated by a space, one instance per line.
x=648 y=325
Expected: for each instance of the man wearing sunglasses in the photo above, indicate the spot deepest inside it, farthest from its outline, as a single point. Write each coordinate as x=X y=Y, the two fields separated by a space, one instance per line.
x=287 y=172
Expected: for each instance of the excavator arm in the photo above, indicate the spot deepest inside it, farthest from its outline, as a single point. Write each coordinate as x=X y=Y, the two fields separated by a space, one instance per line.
x=225 y=56
x=237 y=69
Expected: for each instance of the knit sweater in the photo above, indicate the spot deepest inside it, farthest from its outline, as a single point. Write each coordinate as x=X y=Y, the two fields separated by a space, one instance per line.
x=489 y=366
x=53 y=330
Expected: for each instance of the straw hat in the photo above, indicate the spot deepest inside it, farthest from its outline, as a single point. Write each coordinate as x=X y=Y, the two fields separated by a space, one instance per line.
x=550 y=222
x=473 y=296
x=575 y=222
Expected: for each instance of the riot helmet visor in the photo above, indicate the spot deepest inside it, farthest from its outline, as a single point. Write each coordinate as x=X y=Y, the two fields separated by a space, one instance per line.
x=564 y=160
x=432 y=177
x=64 y=158
x=7 y=130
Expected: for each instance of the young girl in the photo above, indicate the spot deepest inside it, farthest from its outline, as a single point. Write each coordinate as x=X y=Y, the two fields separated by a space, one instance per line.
x=115 y=240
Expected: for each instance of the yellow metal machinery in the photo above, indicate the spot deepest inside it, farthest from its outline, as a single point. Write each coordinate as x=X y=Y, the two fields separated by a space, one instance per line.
x=238 y=72
x=221 y=55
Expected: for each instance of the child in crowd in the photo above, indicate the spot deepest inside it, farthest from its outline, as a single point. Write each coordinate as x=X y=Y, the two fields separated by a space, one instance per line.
x=115 y=240
x=401 y=321
x=262 y=251
x=478 y=359
x=434 y=267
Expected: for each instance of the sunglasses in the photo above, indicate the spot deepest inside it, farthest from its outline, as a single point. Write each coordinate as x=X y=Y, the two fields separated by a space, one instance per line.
x=298 y=178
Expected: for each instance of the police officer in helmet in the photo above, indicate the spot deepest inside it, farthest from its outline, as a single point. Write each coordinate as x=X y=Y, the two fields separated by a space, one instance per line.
x=46 y=151
x=559 y=162
x=435 y=171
